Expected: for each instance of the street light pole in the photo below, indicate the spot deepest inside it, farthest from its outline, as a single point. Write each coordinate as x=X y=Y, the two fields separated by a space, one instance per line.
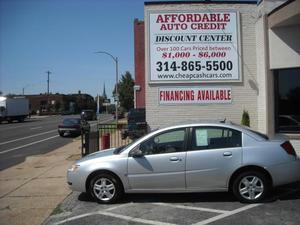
x=117 y=79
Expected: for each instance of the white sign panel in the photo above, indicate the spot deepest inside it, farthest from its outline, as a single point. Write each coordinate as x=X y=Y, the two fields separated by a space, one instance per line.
x=194 y=95
x=201 y=137
x=190 y=46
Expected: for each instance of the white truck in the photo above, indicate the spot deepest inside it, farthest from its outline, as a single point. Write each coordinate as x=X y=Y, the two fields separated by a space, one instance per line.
x=13 y=109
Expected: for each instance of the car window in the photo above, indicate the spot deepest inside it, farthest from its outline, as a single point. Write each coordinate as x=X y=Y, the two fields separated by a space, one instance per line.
x=215 y=137
x=71 y=121
x=168 y=142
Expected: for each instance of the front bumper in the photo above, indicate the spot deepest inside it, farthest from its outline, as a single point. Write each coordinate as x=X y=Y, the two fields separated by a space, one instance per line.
x=76 y=181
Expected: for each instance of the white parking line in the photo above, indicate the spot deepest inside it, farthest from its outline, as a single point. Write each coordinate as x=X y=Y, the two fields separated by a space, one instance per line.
x=192 y=208
x=32 y=143
x=229 y=213
x=119 y=206
x=75 y=218
x=133 y=219
x=35 y=135
x=128 y=218
x=223 y=214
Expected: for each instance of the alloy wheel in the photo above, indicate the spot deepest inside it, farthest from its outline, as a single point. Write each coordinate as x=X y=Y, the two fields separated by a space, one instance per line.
x=251 y=187
x=104 y=189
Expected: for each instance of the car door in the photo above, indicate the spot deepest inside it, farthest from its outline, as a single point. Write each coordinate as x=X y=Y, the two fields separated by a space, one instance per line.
x=213 y=154
x=162 y=163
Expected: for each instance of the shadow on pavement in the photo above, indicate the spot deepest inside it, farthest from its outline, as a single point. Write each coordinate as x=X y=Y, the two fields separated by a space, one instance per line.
x=285 y=192
x=282 y=193
x=169 y=198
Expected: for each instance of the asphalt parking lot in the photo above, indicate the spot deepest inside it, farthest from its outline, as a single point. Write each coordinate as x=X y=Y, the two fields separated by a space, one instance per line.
x=282 y=207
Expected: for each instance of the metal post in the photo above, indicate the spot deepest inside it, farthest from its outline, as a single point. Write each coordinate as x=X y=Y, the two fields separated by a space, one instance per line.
x=117 y=93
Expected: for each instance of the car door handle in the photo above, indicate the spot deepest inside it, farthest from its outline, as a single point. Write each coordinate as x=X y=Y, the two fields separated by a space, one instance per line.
x=227 y=154
x=175 y=159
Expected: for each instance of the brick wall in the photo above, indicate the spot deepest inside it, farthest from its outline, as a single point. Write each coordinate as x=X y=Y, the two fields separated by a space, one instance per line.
x=139 y=61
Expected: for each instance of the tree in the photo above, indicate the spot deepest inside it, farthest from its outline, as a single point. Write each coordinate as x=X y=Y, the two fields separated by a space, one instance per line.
x=125 y=90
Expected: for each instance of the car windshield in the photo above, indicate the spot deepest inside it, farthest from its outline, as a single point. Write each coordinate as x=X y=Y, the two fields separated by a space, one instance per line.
x=71 y=121
x=122 y=148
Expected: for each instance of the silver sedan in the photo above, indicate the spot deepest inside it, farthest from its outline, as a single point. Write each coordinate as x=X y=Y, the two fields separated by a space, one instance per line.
x=199 y=157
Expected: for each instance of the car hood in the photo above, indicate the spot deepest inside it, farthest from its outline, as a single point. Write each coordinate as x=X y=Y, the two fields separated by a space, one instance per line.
x=96 y=155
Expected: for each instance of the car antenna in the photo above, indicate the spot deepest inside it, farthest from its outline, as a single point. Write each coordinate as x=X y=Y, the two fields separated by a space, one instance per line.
x=223 y=121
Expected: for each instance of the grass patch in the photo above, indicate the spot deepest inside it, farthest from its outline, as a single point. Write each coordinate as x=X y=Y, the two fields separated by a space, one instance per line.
x=57 y=210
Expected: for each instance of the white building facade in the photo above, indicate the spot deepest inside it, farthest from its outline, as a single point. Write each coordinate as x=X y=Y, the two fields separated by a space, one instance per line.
x=214 y=60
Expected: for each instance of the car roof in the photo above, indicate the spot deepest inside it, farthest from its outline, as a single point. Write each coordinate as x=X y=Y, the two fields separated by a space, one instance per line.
x=216 y=123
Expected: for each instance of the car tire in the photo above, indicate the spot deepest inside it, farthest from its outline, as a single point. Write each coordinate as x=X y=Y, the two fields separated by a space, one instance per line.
x=251 y=186
x=105 y=188
x=62 y=134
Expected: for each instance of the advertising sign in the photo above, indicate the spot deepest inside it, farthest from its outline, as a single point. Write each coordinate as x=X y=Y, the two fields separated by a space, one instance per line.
x=194 y=95
x=190 y=46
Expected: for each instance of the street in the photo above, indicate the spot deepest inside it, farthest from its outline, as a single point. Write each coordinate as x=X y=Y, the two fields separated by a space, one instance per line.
x=37 y=135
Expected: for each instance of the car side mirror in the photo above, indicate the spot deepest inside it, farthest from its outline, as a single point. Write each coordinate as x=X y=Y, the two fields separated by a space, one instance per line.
x=136 y=153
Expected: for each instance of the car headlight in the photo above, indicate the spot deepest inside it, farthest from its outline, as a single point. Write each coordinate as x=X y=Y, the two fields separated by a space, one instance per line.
x=74 y=168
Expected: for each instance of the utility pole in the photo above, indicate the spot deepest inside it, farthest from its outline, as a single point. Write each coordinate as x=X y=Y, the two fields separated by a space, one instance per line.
x=48 y=79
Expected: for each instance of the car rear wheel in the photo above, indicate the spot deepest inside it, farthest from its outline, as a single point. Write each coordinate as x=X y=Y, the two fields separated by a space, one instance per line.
x=105 y=188
x=251 y=187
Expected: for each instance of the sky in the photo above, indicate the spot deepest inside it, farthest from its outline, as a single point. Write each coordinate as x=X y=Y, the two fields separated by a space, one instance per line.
x=61 y=36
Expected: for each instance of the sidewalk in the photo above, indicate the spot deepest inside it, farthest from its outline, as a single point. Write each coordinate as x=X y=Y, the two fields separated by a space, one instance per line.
x=30 y=191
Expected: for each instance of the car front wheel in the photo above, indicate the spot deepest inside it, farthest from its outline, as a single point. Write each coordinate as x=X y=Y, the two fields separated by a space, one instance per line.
x=105 y=188
x=251 y=187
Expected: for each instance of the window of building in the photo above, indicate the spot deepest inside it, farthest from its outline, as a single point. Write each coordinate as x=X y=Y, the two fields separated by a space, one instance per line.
x=287 y=100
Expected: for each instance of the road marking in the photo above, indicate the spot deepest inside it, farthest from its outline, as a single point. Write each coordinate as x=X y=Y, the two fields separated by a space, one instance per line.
x=104 y=121
x=119 y=206
x=75 y=218
x=229 y=213
x=94 y=123
x=32 y=143
x=35 y=135
x=35 y=128
x=133 y=219
x=128 y=218
x=192 y=208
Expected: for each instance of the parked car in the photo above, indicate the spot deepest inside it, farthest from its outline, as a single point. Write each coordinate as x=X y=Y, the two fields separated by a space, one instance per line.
x=197 y=157
x=88 y=114
x=136 y=124
x=70 y=126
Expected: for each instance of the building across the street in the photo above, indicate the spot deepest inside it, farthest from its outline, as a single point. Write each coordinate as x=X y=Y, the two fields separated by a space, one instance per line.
x=217 y=59
x=60 y=103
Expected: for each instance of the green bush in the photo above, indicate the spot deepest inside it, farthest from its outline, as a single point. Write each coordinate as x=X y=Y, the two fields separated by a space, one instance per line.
x=245 y=119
